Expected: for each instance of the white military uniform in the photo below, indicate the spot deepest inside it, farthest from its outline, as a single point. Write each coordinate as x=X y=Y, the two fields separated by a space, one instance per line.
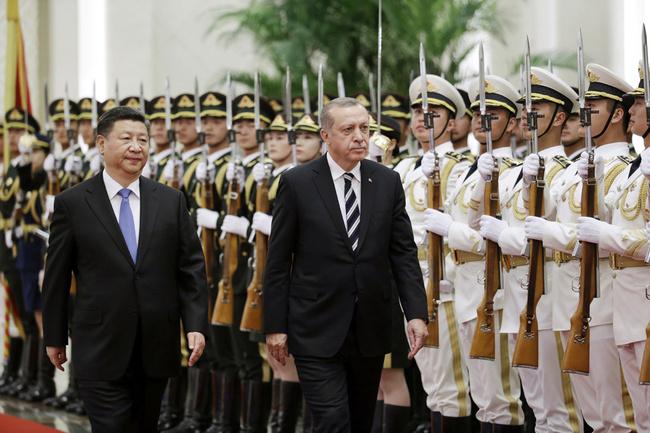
x=602 y=395
x=548 y=390
x=494 y=384
x=628 y=244
x=443 y=369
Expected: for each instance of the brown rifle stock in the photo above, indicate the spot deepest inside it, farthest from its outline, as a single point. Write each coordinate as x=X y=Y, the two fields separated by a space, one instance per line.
x=483 y=343
x=207 y=237
x=436 y=261
x=576 y=356
x=254 y=307
x=644 y=378
x=526 y=353
x=224 y=306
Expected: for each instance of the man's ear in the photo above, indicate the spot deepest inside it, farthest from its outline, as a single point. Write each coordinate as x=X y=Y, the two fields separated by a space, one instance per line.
x=100 y=141
x=323 y=135
x=560 y=118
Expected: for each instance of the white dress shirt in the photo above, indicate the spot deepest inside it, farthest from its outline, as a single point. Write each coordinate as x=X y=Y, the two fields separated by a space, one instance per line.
x=113 y=188
x=339 y=184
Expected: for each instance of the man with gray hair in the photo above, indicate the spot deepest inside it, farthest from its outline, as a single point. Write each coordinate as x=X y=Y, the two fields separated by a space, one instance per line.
x=340 y=234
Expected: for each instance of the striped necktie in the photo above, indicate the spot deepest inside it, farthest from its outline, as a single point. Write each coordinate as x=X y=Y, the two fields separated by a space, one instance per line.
x=352 y=214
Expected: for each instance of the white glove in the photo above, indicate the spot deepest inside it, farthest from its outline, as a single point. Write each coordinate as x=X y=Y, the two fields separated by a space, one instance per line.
x=259 y=172
x=582 y=166
x=428 y=163
x=73 y=165
x=18 y=231
x=207 y=218
x=446 y=287
x=231 y=172
x=530 y=168
x=262 y=222
x=96 y=164
x=645 y=164
x=235 y=225
x=49 y=164
x=49 y=204
x=589 y=229
x=9 y=242
x=491 y=227
x=485 y=166
x=25 y=145
x=204 y=172
x=534 y=227
x=437 y=222
x=169 y=173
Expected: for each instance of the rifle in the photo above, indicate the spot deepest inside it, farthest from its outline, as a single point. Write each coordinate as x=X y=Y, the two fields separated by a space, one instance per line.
x=73 y=178
x=340 y=85
x=320 y=104
x=207 y=196
x=305 y=94
x=224 y=308
x=644 y=378
x=253 y=309
x=53 y=182
x=483 y=343
x=171 y=136
x=576 y=356
x=526 y=353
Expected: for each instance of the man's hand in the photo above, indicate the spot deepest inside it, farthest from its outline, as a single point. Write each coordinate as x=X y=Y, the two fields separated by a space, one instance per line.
x=196 y=343
x=416 y=331
x=276 y=346
x=57 y=356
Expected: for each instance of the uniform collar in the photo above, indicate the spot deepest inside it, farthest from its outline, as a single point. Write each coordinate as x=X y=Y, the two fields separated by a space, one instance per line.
x=445 y=147
x=502 y=152
x=552 y=151
x=250 y=157
x=160 y=155
x=218 y=154
x=189 y=153
x=612 y=150
x=281 y=169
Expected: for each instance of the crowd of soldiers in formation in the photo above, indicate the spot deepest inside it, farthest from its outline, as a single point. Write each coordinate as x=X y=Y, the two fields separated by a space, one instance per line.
x=448 y=389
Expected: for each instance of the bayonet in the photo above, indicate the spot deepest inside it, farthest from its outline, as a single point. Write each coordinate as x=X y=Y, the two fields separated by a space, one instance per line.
x=142 y=102
x=231 y=132
x=66 y=108
x=291 y=134
x=197 y=121
x=646 y=77
x=117 y=93
x=371 y=92
x=305 y=94
x=259 y=132
x=531 y=115
x=48 y=121
x=171 y=137
x=486 y=118
x=320 y=94
x=378 y=138
x=340 y=85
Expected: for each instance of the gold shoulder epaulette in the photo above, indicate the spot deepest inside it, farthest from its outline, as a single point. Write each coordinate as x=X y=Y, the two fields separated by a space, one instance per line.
x=626 y=159
x=562 y=160
x=511 y=162
x=455 y=156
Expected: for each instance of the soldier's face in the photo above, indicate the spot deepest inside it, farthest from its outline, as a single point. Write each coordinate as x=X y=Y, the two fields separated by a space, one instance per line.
x=502 y=123
x=307 y=146
x=86 y=131
x=245 y=133
x=14 y=138
x=126 y=148
x=60 y=133
x=185 y=130
x=638 y=118
x=347 y=137
x=461 y=129
x=545 y=112
x=604 y=108
x=572 y=131
x=278 y=146
x=215 y=130
x=158 y=132
x=441 y=121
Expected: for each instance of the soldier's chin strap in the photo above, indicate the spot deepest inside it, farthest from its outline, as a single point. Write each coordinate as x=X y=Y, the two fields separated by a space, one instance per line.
x=443 y=129
x=504 y=128
x=550 y=123
x=609 y=120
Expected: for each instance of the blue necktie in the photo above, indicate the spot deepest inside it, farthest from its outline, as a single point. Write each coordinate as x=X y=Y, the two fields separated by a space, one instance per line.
x=126 y=223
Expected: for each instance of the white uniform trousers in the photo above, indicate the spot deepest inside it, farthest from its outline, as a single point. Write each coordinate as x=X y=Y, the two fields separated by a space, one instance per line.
x=631 y=358
x=494 y=385
x=602 y=395
x=444 y=373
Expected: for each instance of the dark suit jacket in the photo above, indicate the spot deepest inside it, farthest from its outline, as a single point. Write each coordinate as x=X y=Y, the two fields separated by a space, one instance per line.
x=115 y=297
x=315 y=287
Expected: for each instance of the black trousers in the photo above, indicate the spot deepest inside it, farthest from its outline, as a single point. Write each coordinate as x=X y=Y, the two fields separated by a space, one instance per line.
x=246 y=351
x=130 y=404
x=341 y=391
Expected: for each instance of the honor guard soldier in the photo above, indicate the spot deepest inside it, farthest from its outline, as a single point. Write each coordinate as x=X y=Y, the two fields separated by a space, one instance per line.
x=601 y=395
x=158 y=134
x=397 y=107
x=92 y=160
x=443 y=369
x=247 y=353
x=276 y=105
x=494 y=385
x=31 y=249
x=624 y=237
x=363 y=100
x=546 y=388
x=390 y=129
x=20 y=370
x=297 y=108
x=308 y=144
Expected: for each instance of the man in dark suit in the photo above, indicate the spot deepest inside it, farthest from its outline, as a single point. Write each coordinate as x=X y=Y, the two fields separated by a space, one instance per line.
x=139 y=269
x=340 y=233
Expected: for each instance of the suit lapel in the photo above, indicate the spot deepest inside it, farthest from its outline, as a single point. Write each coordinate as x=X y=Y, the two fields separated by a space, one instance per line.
x=148 y=213
x=325 y=186
x=99 y=203
x=368 y=200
